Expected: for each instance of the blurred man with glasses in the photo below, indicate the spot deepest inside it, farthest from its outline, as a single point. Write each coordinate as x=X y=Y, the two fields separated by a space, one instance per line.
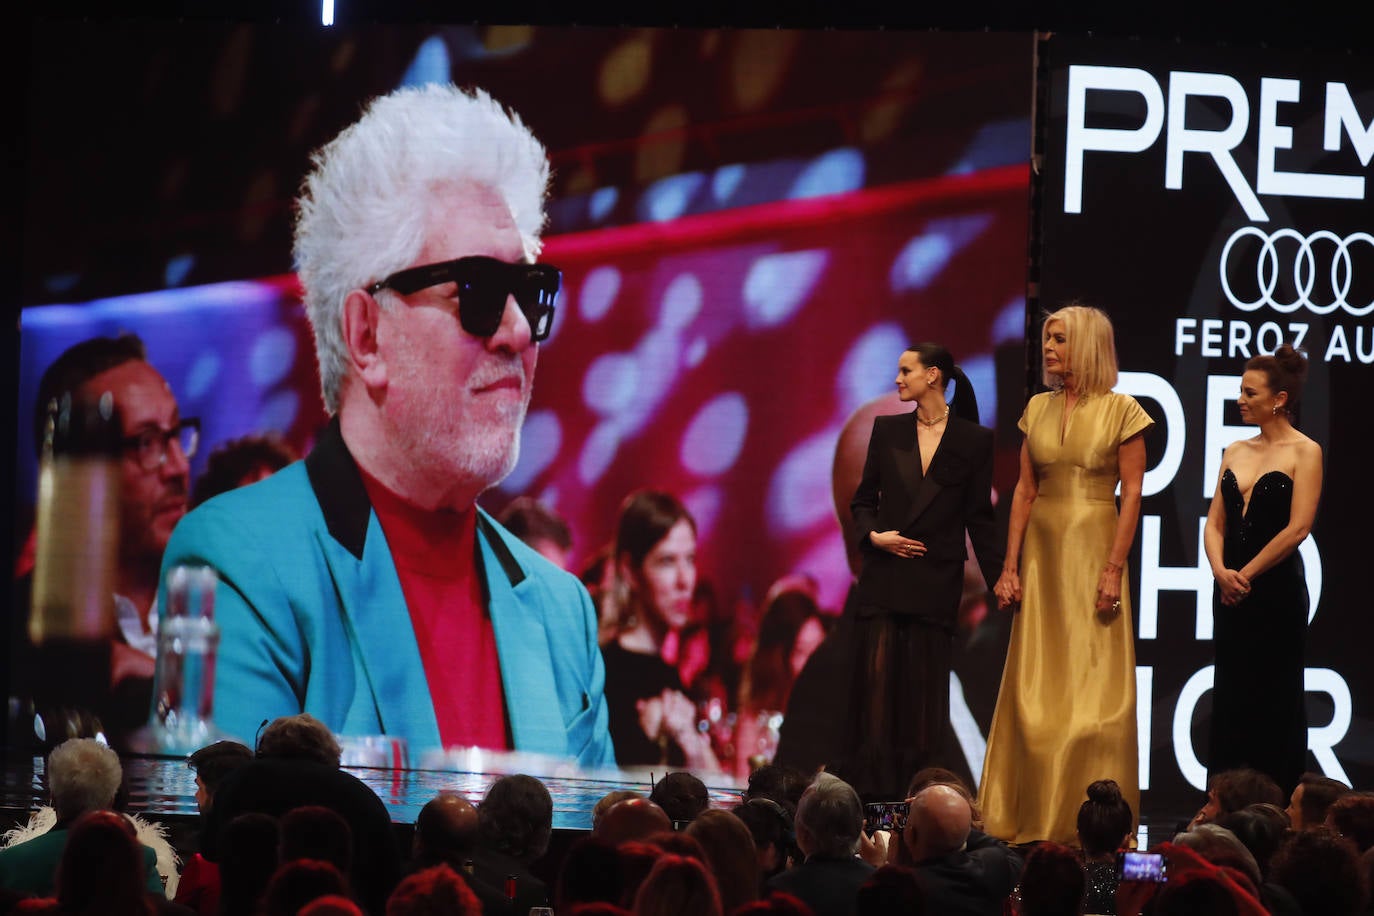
x=152 y=456
x=364 y=585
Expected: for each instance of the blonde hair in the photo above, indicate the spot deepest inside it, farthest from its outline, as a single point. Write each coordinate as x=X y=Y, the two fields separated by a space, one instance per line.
x=1092 y=348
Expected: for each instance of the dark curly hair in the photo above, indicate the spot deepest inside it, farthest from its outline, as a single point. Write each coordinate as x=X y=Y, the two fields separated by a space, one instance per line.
x=229 y=464
x=1321 y=870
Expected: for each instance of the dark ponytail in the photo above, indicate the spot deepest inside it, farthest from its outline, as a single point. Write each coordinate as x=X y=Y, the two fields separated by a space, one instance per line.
x=935 y=356
x=965 y=403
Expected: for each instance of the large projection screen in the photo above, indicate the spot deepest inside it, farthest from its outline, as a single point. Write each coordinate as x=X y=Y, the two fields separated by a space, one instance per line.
x=752 y=225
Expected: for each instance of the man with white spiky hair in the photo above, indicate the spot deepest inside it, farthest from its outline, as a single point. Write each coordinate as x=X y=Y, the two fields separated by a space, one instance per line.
x=364 y=585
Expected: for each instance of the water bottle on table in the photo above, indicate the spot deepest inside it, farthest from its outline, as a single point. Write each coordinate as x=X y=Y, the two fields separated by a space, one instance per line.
x=187 y=642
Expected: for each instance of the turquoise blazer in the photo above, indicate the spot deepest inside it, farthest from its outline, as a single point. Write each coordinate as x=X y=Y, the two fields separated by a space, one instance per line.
x=312 y=618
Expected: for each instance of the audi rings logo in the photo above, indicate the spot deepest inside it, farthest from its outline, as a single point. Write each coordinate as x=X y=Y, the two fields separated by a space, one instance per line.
x=1285 y=256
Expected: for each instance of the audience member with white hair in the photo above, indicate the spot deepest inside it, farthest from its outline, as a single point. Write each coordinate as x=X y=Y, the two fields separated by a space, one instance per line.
x=83 y=776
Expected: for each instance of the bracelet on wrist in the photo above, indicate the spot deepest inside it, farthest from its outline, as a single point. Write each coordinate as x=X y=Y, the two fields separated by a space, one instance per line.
x=1114 y=567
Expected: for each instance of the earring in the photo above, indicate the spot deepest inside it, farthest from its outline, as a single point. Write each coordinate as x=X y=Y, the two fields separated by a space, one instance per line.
x=1274 y=411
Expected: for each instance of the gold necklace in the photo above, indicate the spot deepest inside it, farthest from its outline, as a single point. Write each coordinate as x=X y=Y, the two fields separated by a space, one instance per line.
x=929 y=423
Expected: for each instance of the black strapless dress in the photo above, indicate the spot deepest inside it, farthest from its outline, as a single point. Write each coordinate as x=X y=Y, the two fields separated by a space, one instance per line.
x=1259 y=719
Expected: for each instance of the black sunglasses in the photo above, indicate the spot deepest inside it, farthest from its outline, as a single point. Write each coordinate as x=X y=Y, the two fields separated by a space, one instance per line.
x=483 y=287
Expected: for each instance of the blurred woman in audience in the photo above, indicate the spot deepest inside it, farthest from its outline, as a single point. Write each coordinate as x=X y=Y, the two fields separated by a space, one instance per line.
x=730 y=855
x=1051 y=883
x=101 y=870
x=651 y=719
x=677 y=886
x=790 y=630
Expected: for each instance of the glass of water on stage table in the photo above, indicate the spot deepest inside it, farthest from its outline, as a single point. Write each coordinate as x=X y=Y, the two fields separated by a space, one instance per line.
x=187 y=643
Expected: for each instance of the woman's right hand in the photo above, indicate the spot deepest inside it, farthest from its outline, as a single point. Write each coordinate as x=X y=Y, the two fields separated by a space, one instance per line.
x=1008 y=588
x=895 y=544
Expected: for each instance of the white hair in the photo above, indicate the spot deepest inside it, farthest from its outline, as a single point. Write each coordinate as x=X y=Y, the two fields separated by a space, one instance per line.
x=362 y=209
x=83 y=775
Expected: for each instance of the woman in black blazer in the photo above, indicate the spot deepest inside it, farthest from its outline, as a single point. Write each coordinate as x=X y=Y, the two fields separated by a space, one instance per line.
x=927 y=480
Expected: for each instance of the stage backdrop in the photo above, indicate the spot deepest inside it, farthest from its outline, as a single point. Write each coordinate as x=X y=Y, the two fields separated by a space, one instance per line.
x=752 y=227
x=1214 y=201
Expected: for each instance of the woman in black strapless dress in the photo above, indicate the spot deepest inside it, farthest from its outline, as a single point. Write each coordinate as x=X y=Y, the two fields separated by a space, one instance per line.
x=1265 y=503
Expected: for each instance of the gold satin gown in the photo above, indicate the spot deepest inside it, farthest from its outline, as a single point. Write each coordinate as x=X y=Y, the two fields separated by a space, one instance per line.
x=1066 y=708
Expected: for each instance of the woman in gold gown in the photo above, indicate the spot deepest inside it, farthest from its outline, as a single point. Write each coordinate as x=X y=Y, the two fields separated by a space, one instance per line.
x=1066 y=710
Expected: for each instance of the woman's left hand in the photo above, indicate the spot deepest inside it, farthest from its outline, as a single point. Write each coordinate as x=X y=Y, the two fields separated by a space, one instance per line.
x=1235 y=588
x=1109 y=590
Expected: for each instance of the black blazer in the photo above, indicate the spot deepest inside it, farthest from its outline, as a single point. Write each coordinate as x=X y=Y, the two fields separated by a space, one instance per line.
x=828 y=886
x=954 y=496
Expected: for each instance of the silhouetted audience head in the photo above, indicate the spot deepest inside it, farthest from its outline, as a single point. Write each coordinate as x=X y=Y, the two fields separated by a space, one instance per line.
x=300 y=737
x=540 y=527
x=681 y=795
x=1195 y=895
x=599 y=908
x=777 y=903
x=608 y=801
x=1105 y=819
x=632 y=819
x=770 y=824
x=1052 y=882
x=939 y=776
x=1261 y=828
x=239 y=462
x=101 y=869
x=445 y=830
x=590 y=873
x=637 y=858
x=1352 y=816
x=248 y=857
x=1311 y=797
x=890 y=890
x=938 y=823
x=296 y=883
x=1366 y=869
x=1220 y=846
x=211 y=764
x=1322 y=872
x=83 y=775
x=516 y=817
x=730 y=856
x=783 y=784
x=933 y=776
x=1232 y=790
x=434 y=891
x=677 y=886
x=315 y=832
x=679 y=843
x=829 y=818
x=331 y=905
